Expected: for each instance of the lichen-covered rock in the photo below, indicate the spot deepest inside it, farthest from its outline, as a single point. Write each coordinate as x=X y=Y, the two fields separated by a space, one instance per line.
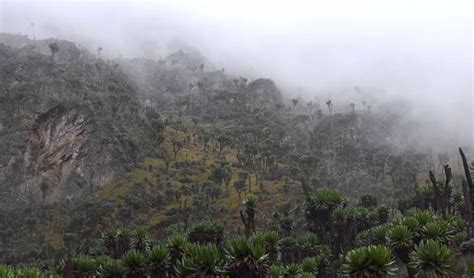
x=66 y=126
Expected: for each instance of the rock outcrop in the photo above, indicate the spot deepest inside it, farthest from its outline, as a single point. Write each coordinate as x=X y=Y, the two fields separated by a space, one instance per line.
x=66 y=126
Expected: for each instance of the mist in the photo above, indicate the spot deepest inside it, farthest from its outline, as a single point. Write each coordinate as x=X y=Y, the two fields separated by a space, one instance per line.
x=414 y=56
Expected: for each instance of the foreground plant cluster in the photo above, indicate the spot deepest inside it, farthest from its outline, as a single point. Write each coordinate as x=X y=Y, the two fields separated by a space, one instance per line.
x=231 y=183
x=357 y=241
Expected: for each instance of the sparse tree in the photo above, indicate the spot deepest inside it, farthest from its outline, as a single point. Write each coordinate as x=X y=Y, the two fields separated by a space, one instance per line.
x=239 y=186
x=468 y=191
x=330 y=105
x=99 y=49
x=294 y=102
x=223 y=141
x=247 y=214
x=54 y=47
x=177 y=146
x=243 y=175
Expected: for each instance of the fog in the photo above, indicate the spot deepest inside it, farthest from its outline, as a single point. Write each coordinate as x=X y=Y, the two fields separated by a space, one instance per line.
x=415 y=54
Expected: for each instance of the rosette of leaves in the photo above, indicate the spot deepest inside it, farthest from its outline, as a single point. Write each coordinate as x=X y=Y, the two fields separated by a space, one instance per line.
x=292 y=270
x=84 y=266
x=307 y=240
x=438 y=230
x=176 y=245
x=134 y=263
x=246 y=259
x=325 y=198
x=200 y=261
x=310 y=265
x=206 y=232
x=111 y=268
x=379 y=233
x=319 y=207
x=411 y=223
x=159 y=261
x=369 y=261
x=422 y=216
x=401 y=240
x=140 y=240
x=276 y=271
x=432 y=259
x=269 y=239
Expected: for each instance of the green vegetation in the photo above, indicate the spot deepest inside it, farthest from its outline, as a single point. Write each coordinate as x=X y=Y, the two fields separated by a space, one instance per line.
x=432 y=259
x=190 y=173
x=369 y=261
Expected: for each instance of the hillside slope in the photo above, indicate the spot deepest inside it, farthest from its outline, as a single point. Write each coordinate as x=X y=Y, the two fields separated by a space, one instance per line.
x=87 y=144
x=66 y=128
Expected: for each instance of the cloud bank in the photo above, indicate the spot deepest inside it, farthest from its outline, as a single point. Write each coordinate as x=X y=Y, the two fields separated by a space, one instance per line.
x=419 y=52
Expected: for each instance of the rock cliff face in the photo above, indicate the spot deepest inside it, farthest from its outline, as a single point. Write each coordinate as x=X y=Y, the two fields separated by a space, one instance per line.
x=72 y=124
x=66 y=126
x=194 y=89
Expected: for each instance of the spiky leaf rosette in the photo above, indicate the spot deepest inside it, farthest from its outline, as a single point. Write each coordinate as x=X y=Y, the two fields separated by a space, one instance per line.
x=250 y=203
x=134 y=263
x=292 y=270
x=310 y=264
x=123 y=241
x=176 y=245
x=369 y=261
x=276 y=271
x=400 y=238
x=206 y=232
x=159 y=260
x=268 y=239
x=432 y=259
x=245 y=259
x=411 y=223
x=325 y=198
x=438 y=230
x=422 y=216
x=307 y=275
x=200 y=261
x=140 y=240
x=84 y=266
x=400 y=235
x=111 y=269
x=379 y=233
x=109 y=240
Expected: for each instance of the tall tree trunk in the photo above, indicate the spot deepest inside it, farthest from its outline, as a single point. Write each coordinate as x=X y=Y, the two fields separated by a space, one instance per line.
x=467 y=205
x=471 y=189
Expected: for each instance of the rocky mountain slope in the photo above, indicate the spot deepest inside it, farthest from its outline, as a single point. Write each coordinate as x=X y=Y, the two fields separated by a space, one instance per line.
x=65 y=127
x=88 y=143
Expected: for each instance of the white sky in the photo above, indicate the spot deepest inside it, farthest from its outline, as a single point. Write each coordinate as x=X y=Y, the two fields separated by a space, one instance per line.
x=417 y=50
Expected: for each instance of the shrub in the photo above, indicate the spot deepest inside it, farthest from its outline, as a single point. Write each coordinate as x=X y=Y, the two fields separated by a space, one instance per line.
x=200 y=260
x=369 y=261
x=206 y=232
x=432 y=259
